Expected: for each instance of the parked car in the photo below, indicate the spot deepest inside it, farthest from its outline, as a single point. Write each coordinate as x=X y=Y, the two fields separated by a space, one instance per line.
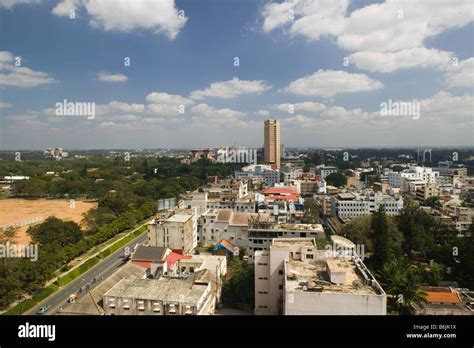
x=43 y=309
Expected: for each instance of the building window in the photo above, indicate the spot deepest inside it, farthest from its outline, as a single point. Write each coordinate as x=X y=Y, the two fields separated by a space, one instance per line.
x=156 y=307
x=172 y=309
x=141 y=305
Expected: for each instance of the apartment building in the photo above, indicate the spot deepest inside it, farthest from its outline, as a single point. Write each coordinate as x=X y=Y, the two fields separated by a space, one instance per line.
x=324 y=171
x=262 y=233
x=451 y=174
x=462 y=217
x=294 y=278
x=177 y=232
x=164 y=296
x=218 y=224
x=413 y=173
x=269 y=175
x=350 y=205
x=233 y=194
x=427 y=191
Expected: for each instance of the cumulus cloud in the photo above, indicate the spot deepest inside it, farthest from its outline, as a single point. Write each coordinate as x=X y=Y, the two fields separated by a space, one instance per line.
x=107 y=77
x=383 y=36
x=210 y=116
x=117 y=106
x=310 y=18
x=328 y=83
x=165 y=98
x=410 y=58
x=299 y=107
x=262 y=113
x=231 y=88
x=167 y=104
x=20 y=76
x=9 y=4
x=5 y=105
x=125 y=15
x=461 y=75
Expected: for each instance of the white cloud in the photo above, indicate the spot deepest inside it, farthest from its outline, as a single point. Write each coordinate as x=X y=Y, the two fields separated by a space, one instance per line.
x=310 y=18
x=394 y=25
x=231 y=88
x=64 y=8
x=9 y=4
x=390 y=61
x=165 y=98
x=106 y=77
x=328 y=83
x=208 y=116
x=167 y=104
x=397 y=28
x=20 y=76
x=461 y=75
x=127 y=117
x=117 y=106
x=262 y=113
x=5 y=105
x=447 y=108
x=440 y=111
x=125 y=15
x=298 y=107
x=276 y=14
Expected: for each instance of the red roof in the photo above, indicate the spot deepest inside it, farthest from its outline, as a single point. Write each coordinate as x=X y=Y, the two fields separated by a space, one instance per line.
x=443 y=297
x=280 y=193
x=173 y=257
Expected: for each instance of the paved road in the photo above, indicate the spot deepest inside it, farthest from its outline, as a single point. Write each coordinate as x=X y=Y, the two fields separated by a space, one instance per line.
x=103 y=269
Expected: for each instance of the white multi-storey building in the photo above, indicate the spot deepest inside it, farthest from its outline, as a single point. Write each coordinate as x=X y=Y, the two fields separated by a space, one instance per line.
x=269 y=175
x=397 y=179
x=349 y=205
x=294 y=278
x=325 y=171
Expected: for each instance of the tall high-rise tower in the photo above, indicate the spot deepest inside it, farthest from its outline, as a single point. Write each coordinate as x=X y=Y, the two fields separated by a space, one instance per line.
x=271 y=149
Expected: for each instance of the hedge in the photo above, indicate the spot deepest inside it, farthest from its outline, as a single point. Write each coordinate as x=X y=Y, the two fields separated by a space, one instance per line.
x=30 y=303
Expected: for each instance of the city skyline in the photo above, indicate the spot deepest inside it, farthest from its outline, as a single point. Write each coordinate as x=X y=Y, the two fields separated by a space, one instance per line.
x=192 y=74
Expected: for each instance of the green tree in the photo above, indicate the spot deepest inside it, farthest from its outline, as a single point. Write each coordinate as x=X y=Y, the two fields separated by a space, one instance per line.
x=433 y=202
x=409 y=226
x=402 y=285
x=464 y=268
x=381 y=242
x=358 y=230
x=240 y=288
x=336 y=179
x=311 y=212
x=55 y=231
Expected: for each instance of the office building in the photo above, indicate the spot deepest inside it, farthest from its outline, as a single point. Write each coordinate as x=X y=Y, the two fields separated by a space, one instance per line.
x=272 y=143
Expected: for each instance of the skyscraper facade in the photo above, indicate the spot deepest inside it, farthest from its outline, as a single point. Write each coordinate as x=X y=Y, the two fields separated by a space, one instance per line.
x=272 y=143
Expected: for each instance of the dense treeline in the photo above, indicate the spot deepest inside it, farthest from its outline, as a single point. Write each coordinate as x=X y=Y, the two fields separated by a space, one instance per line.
x=59 y=242
x=93 y=178
x=126 y=192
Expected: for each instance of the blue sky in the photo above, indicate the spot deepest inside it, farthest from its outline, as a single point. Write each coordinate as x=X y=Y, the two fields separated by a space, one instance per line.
x=291 y=54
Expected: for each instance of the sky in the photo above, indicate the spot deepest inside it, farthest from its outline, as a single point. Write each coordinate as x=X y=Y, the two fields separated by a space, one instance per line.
x=199 y=73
